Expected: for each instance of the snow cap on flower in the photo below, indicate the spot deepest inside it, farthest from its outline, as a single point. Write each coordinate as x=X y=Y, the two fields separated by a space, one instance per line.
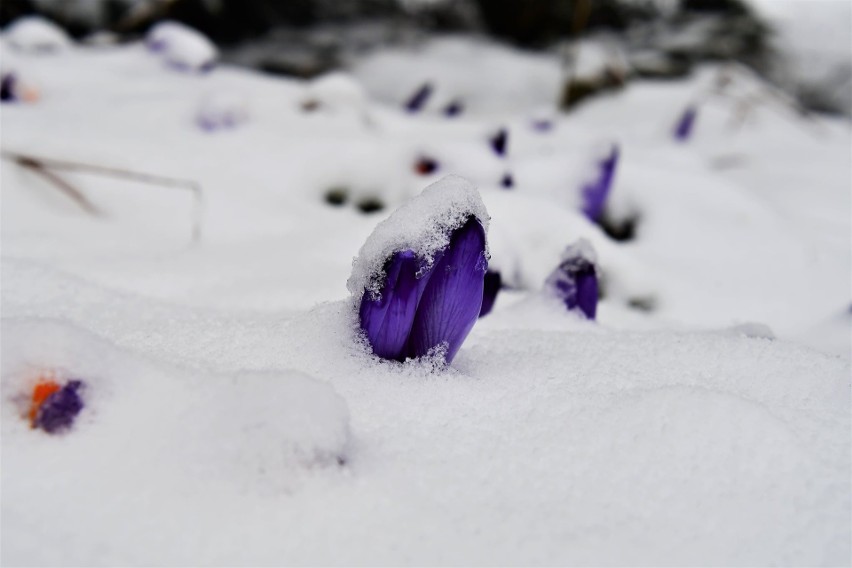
x=419 y=98
x=182 y=47
x=683 y=128
x=575 y=280
x=418 y=279
x=594 y=193
x=37 y=35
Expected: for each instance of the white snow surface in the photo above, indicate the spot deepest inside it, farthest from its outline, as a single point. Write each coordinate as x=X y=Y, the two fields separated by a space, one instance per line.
x=233 y=417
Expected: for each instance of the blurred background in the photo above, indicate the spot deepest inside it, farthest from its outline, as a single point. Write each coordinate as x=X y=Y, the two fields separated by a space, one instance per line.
x=801 y=46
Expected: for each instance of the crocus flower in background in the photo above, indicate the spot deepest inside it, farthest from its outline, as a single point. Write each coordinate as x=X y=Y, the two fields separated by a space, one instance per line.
x=499 y=142
x=54 y=407
x=575 y=280
x=425 y=165
x=491 y=287
x=419 y=98
x=428 y=292
x=685 y=124
x=508 y=180
x=12 y=89
x=453 y=109
x=8 y=87
x=594 y=194
x=221 y=111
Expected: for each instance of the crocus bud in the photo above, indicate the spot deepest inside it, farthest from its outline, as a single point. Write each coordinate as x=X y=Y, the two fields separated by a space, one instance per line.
x=508 y=180
x=575 y=280
x=683 y=129
x=426 y=299
x=595 y=193
x=419 y=98
x=8 y=84
x=453 y=109
x=499 y=142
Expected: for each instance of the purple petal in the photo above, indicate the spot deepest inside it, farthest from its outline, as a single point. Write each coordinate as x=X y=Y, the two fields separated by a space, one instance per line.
x=387 y=320
x=508 y=181
x=453 y=109
x=683 y=129
x=491 y=287
x=58 y=410
x=575 y=282
x=595 y=193
x=8 y=87
x=499 y=142
x=419 y=98
x=453 y=296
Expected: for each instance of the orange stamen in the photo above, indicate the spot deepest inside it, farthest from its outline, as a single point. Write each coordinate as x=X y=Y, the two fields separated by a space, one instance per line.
x=41 y=391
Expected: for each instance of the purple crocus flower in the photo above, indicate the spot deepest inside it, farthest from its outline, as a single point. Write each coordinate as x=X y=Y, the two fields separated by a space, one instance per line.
x=419 y=98
x=595 y=193
x=683 y=129
x=499 y=142
x=8 y=86
x=575 y=280
x=508 y=180
x=422 y=307
x=491 y=286
x=60 y=409
x=453 y=109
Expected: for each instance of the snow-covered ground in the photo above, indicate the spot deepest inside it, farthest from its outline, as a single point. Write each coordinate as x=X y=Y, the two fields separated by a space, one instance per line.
x=233 y=417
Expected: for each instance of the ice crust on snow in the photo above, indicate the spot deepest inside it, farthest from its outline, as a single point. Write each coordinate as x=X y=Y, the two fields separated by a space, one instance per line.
x=34 y=34
x=423 y=225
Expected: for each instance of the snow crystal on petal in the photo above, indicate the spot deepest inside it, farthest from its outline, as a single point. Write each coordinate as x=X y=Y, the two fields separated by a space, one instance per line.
x=423 y=225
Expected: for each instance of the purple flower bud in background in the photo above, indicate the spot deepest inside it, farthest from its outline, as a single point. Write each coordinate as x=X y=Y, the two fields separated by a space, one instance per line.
x=507 y=181
x=491 y=286
x=499 y=142
x=425 y=166
x=421 y=308
x=575 y=280
x=595 y=193
x=453 y=109
x=8 y=85
x=683 y=129
x=60 y=409
x=419 y=98
x=542 y=125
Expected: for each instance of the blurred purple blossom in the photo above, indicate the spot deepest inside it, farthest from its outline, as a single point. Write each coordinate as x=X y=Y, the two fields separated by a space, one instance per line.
x=419 y=98
x=575 y=280
x=595 y=193
x=60 y=409
x=685 y=124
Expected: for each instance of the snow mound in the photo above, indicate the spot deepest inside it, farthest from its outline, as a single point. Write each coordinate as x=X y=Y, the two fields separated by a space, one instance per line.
x=337 y=92
x=34 y=34
x=244 y=428
x=182 y=47
x=422 y=225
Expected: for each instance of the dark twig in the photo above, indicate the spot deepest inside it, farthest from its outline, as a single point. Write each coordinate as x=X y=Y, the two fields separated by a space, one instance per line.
x=41 y=164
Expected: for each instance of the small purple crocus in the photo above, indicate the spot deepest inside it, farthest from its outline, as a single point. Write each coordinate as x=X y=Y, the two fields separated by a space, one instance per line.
x=422 y=307
x=499 y=142
x=575 y=280
x=8 y=87
x=508 y=180
x=685 y=124
x=60 y=409
x=595 y=193
x=419 y=98
x=491 y=287
x=453 y=109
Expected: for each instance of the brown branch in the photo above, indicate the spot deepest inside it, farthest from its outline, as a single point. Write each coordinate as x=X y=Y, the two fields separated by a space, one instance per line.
x=75 y=194
x=40 y=165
